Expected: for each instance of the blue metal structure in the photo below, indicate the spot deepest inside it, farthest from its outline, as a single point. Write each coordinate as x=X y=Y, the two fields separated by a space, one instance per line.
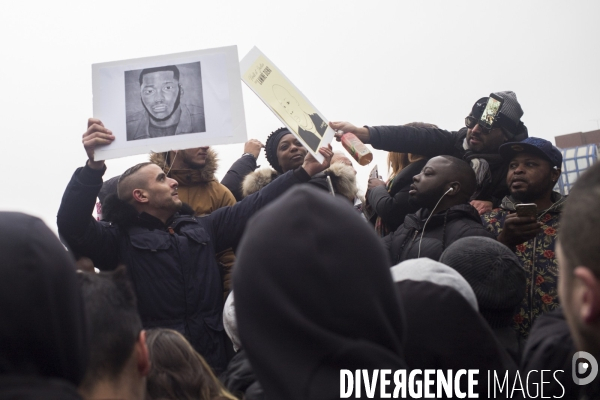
x=575 y=161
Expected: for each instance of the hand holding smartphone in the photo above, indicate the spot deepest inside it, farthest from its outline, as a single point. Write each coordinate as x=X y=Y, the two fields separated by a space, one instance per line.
x=527 y=210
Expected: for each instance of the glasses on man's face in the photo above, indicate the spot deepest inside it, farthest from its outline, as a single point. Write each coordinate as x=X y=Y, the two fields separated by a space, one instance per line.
x=471 y=122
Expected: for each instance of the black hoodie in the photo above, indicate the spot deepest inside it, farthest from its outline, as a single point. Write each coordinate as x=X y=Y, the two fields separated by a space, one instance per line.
x=43 y=342
x=443 y=229
x=445 y=332
x=314 y=295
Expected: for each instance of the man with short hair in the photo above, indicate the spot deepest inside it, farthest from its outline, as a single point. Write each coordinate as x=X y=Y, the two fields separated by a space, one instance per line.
x=194 y=170
x=579 y=264
x=533 y=170
x=442 y=191
x=474 y=144
x=119 y=362
x=169 y=253
x=164 y=114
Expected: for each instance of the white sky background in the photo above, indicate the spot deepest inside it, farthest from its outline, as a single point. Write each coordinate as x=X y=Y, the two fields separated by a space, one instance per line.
x=368 y=62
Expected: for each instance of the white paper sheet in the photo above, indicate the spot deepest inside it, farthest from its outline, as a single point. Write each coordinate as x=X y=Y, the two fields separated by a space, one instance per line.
x=210 y=110
x=286 y=101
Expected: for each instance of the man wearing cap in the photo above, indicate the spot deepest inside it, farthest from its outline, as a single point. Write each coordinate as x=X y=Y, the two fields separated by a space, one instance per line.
x=533 y=170
x=474 y=144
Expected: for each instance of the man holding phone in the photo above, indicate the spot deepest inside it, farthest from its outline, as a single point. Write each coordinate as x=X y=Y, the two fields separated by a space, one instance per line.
x=487 y=128
x=527 y=221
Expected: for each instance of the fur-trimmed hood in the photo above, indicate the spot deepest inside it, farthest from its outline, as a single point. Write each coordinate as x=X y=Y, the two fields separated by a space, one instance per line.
x=189 y=177
x=342 y=177
x=121 y=213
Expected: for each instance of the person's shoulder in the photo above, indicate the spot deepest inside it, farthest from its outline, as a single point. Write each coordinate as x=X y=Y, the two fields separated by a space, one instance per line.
x=494 y=215
x=136 y=116
x=193 y=109
x=256 y=180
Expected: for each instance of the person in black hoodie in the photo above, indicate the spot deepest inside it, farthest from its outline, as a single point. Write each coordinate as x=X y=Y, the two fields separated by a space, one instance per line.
x=314 y=295
x=43 y=334
x=442 y=190
x=444 y=332
x=499 y=282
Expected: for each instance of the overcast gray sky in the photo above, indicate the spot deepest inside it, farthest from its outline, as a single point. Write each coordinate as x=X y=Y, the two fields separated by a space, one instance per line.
x=368 y=62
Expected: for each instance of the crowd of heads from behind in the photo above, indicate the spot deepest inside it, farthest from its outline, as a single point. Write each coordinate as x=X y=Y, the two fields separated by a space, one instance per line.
x=453 y=262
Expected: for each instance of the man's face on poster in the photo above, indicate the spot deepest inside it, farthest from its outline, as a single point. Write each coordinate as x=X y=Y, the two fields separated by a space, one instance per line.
x=291 y=106
x=159 y=93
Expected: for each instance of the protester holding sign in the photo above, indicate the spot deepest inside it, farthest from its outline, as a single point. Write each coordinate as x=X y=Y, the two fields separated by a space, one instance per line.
x=170 y=254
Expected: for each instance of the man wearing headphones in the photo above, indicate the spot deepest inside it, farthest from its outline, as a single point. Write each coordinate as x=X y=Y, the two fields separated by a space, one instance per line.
x=442 y=191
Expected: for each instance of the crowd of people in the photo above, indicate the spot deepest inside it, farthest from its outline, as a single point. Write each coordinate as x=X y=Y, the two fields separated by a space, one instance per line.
x=267 y=284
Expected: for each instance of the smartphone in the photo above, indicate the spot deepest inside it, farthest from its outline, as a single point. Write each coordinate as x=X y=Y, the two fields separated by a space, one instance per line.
x=374 y=173
x=491 y=111
x=527 y=210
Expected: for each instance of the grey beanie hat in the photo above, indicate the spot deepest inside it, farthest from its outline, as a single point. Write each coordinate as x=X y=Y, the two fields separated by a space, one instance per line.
x=495 y=274
x=428 y=270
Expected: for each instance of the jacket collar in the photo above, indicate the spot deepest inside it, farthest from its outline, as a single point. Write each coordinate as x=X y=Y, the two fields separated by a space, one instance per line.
x=125 y=215
x=509 y=203
x=461 y=211
x=189 y=177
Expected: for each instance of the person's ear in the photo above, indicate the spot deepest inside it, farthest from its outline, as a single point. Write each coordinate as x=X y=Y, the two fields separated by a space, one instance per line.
x=181 y=91
x=454 y=188
x=143 y=356
x=140 y=195
x=587 y=288
x=554 y=174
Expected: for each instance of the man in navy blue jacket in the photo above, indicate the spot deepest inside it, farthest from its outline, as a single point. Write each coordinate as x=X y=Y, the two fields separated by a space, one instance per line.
x=169 y=253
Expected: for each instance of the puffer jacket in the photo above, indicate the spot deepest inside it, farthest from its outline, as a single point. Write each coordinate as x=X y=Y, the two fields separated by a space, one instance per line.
x=200 y=189
x=538 y=257
x=172 y=267
x=443 y=229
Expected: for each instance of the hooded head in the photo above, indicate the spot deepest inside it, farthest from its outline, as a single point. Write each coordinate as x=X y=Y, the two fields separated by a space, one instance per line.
x=42 y=324
x=495 y=274
x=308 y=270
x=428 y=270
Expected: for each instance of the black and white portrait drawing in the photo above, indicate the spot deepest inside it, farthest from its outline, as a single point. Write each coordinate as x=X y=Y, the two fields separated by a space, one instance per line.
x=164 y=101
x=311 y=127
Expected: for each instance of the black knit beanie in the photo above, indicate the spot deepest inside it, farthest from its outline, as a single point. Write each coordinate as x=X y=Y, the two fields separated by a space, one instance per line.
x=495 y=274
x=271 y=147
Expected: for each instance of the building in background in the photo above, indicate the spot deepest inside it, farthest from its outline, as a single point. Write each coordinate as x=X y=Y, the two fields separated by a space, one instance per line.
x=580 y=151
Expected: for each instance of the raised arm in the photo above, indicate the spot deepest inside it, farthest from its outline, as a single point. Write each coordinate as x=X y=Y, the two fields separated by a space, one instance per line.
x=428 y=142
x=392 y=207
x=240 y=168
x=76 y=226
x=228 y=223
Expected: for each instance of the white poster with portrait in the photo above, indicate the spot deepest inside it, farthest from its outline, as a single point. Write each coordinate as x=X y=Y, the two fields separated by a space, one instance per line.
x=170 y=102
x=286 y=101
